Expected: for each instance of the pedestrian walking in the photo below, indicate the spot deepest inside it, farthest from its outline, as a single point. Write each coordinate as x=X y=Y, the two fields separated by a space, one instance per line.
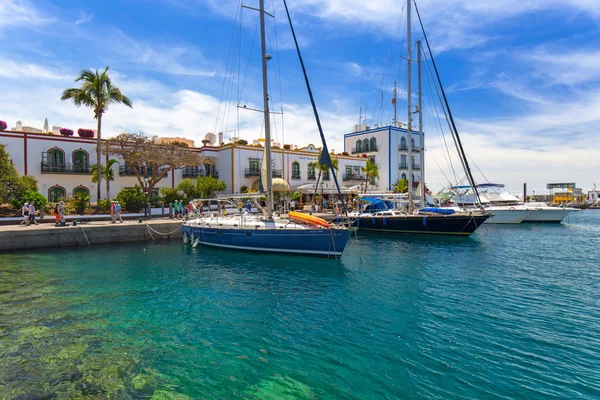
x=312 y=207
x=292 y=205
x=32 y=213
x=113 y=212
x=55 y=213
x=118 y=212
x=25 y=214
x=249 y=206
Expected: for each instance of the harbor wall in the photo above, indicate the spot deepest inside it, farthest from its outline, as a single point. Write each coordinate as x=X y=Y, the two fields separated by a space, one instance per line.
x=47 y=236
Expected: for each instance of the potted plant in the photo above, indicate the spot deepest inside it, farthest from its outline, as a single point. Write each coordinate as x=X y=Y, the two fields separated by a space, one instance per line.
x=66 y=132
x=85 y=133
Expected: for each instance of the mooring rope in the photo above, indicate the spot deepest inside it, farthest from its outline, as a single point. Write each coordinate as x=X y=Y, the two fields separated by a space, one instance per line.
x=84 y=235
x=161 y=233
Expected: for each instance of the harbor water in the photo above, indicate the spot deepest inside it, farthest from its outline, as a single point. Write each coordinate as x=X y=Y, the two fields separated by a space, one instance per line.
x=512 y=312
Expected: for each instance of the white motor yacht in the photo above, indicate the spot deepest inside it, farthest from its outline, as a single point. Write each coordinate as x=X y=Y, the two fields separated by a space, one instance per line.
x=507 y=208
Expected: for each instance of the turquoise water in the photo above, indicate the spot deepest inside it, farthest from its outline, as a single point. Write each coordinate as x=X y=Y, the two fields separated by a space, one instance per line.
x=512 y=312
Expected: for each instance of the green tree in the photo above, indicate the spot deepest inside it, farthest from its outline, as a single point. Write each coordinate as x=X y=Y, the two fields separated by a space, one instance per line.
x=207 y=186
x=401 y=186
x=96 y=92
x=322 y=168
x=29 y=196
x=371 y=170
x=10 y=181
x=188 y=186
x=132 y=199
x=107 y=173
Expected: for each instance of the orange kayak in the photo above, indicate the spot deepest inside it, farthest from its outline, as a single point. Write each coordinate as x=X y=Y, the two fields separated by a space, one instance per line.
x=309 y=219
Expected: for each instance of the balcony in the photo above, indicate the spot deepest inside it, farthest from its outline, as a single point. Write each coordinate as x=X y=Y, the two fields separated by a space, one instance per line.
x=312 y=177
x=125 y=170
x=193 y=172
x=405 y=148
x=251 y=172
x=53 y=168
x=354 y=177
x=363 y=150
x=415 y=167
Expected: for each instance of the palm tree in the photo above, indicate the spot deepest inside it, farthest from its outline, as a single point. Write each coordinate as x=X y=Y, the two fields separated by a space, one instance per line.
x=96 y=92
x=106 y=172
x=371 y=170
x=401 y=186
x=322 y=168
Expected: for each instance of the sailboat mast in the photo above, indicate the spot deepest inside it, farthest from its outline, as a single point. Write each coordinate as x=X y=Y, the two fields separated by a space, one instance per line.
x=409 y=93
x=421 y=134
x=394 y=101
x=267 y=155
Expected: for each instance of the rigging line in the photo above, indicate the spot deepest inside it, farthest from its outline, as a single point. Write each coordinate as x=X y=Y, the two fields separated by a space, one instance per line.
x=248 y=63
x=442 y=171
x=279 y=75
x=325 y=158
x=440 y=128
x=233 y=36
x=480 y=171
x=462 y=151
x=445 y=115
x=237 y=110
x=229 y=105
x=438 y=125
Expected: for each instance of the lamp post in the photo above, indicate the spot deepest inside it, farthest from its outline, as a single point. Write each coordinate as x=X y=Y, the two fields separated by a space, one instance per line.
x=145 y=196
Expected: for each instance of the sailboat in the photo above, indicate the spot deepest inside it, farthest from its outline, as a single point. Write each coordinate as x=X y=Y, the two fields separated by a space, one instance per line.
x=296 y=235
x=382 y=216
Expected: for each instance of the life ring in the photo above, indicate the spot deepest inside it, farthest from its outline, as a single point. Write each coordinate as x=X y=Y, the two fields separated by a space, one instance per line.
x=512 y=208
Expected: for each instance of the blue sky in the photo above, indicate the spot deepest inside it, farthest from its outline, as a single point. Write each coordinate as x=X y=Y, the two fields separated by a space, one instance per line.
x=523 y=77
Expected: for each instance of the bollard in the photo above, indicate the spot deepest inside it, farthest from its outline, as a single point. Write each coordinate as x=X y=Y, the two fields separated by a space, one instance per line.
x=140 y=220
x=74 y=222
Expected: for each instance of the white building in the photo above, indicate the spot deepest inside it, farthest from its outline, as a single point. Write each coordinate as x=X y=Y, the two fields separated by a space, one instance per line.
x=62 y=166
x=388 y=147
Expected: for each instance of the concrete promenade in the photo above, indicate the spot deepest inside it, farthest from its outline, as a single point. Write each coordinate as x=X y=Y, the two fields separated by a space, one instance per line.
x=19 y=237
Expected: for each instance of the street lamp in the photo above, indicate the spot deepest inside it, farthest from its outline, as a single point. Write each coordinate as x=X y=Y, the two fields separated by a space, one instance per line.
x=145 y=196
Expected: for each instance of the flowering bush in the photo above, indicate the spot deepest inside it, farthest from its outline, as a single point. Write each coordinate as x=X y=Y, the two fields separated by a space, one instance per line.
x=364 y=155
x=85 y=133
x=3 y=125
x=66 y=132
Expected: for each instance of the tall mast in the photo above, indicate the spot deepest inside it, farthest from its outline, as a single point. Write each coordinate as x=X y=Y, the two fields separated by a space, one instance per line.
x=421 y=134
x=267 y=154
x=409 y=90
x=394 y=101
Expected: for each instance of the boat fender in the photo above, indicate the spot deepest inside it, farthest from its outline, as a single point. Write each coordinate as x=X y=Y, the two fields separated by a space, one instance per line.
x=193 y=238
x=357 y=222
x=185 y=239
x=425 y=221
x=385 y=220
x=196 y=242
x=373 y=220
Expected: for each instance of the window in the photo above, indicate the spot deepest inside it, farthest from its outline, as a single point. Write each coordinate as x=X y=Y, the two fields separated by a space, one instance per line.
x=358 y=146
x=81 y=191
x=56 y=157
x=366 y=145
x=295 y=170
x=56 y=193
x=348 y=171
x=311 y=171
x=373 y=144
x=412 y=142
x=326 y=175
x=80 y=160
x=403 y=143
x=403 y=176
x=403 y=161
x=254 y=165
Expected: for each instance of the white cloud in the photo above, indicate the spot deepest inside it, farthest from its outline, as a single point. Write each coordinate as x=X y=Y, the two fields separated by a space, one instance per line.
x=21 y=13
x=83 y=18
x=13 y=70
x=165 y=58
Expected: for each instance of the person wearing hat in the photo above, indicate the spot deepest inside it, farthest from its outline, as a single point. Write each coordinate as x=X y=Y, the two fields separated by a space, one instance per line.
x=25 y=214
x=118 y=212
x=113 y=212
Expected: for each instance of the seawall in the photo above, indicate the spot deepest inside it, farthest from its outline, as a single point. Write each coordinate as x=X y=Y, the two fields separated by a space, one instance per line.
x=14 y=238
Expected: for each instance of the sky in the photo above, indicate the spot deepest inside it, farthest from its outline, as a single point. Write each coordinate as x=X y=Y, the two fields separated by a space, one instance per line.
x=522 y=77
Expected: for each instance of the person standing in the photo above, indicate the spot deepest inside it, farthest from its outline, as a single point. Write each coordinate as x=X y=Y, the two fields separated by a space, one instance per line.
x=32 y=213
x=292 y=205
x=118 y=212
x=61 y=211
x=312 y=207
x=25 y=214
x=55 y=213
x=113 y=207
